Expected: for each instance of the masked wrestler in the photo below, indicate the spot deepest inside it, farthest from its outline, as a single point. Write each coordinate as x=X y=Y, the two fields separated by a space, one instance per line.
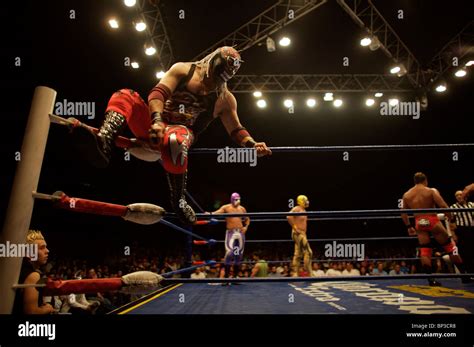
x=180 y=107
x=236 y=227
x=299 y=226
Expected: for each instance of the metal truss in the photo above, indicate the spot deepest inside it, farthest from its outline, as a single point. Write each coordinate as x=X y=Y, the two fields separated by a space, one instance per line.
x=364 y=14
x=265 y=24
x=320 y=83
x=459 y=46
x=156 y=31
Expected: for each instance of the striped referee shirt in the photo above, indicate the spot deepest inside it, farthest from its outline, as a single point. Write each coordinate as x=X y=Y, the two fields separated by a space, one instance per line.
x=464 y=219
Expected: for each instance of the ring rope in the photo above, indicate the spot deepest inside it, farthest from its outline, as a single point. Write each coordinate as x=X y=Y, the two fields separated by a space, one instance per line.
x=291 y=149
x=336 y=213
x=315 y=279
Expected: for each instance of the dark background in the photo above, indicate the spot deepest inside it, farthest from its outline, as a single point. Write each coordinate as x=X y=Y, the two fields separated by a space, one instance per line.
x=83 y=60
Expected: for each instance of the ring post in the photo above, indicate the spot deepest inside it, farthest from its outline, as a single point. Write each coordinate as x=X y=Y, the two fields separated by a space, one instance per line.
x=20 y=206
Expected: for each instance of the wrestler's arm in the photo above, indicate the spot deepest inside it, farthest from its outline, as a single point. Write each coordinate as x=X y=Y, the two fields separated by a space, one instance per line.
x=169 y=82
x=439 y=201
x=291 y=219
x=226 y=108
x=468 y=190
x=406 y=221
x=246 y=220
x=221 y=210
x=30 y=297
x=158 y=96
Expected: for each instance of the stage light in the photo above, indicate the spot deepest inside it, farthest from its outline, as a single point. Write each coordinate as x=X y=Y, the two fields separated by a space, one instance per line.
x=113 y=23
x=288 y=103
x=337 y=103
x=261 y=103
x=285 y=41
x=140 y=26
x=311 y=102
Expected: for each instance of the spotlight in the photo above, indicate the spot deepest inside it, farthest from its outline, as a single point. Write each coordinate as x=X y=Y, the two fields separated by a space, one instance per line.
x=261 y=103
x=375 y=44
x=394 y=70
x=285 y=41
x=460 y=73
x=150 y=50
x=337 y=103
x=402 y=71
x=257 y=94
x=393 y=102
x=113 y=23
x=370 y=102
x=160 y=74
x=441 y=87
x=130 y=3
x=365 y=41
x=311 y=102
x=135 y=65
x=378 y=95
x=270 y=44
x=328 y=97
x=140 y=26
x=470 y=63
x=288 y=103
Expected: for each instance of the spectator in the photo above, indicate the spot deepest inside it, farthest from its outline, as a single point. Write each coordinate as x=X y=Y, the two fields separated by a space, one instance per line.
x=379 y=271
x=363 y=271
x=333 y=271
x=260 y=269
x=350 y=271
x=396 y=270
x=273 y=272
x=105 y=304
x=198 y=273
x=30 y=300
x=404 y=268
x=317 y=272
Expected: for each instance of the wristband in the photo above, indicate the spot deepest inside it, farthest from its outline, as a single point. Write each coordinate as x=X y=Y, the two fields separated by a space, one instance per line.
x=156 y=117
x=250 y=143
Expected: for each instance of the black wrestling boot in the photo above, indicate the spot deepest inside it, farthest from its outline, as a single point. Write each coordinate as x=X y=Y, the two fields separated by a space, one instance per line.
x=97 y=148
x=177 y=184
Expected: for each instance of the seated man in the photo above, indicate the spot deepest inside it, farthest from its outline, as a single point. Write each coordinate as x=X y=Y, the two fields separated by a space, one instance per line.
x=30 y=300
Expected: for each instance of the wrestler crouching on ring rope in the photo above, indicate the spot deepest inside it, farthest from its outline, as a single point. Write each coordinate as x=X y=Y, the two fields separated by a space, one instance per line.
x=421 y=197
x=299 y=225
x=180 y=107
x=236 y=227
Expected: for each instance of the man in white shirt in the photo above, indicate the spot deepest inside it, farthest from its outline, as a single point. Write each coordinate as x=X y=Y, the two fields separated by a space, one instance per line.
x=198 y=273
x=317 y=272
x=333 y=271
x=396 y=270
x=350 y=271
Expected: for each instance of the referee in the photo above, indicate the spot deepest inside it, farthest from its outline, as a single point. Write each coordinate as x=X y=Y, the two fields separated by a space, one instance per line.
x=464 y=225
